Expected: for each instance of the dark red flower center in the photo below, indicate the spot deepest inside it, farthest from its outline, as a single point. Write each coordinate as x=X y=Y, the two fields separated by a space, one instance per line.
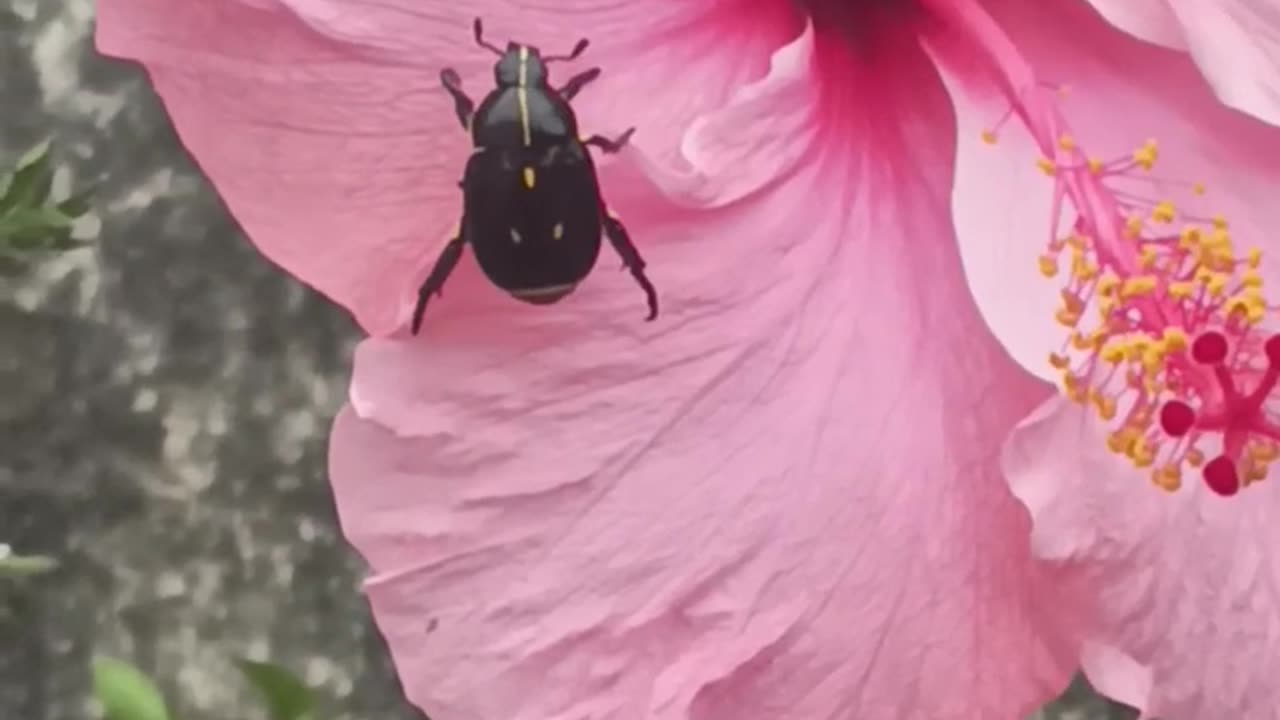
x=859 y=21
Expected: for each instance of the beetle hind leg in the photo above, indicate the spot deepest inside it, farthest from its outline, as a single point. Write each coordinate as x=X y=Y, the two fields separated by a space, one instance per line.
x=463 y=106
x=577 y=82
x=631 y=260
x=440 y=272
x=610 y=145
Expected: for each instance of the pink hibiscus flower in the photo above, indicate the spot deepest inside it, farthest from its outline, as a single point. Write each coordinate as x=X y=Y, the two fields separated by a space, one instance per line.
x=787 y=497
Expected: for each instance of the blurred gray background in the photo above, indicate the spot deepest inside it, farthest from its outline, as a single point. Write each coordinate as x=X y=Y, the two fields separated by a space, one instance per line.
x=165 y=400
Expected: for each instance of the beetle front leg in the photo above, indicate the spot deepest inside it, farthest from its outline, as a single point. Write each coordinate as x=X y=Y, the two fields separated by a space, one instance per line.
x=610 y=146
x=434 y=284
x=631 y=259
x=577 y=82
x=462 y=105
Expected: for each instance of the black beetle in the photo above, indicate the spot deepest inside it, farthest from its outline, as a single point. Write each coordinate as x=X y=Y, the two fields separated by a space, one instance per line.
x=532 y=208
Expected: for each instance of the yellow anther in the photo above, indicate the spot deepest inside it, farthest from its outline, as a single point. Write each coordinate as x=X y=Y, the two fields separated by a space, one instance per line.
x=1219 y=222
x=1048 y=266
x=1047 y=166
x=1181 y=290
x=1072 y=302
x=1120 y=441
x=1141 y=453
x=1257 y=311
x=1153 y=360
x=1092 y=341
x=1251 y=279
x=1255 y=472
x=1106 y=306
x=1060 y=362
x=1105 y=406
x=1066 y=318
x=1190 y=237
x=1133 y=226
x=1238 y=305
x=1074 y=389
x=1113 y=352
x=1164 y=212
x=989 y=137
x=1254 y=257
x=1075 y=242
x=1066 y=142
x=1137 y=285
x=1167 y=478
x=1175 y=339
x=1135 y=349
x=1219 y=238
x=1095 y=166
x=1147 y=257
x=1083 y=270
x=1217 y=284
x=1216 y=256
x=1195 y=458
x=1107 y=284
x=1147 y=155
x=1198 y=188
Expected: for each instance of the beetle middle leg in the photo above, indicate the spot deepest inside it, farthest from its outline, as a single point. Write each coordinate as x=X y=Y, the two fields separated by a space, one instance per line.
x=631 y=259
x=434 y=284
x=577 y=82
x=462 y=105
x=608 y=145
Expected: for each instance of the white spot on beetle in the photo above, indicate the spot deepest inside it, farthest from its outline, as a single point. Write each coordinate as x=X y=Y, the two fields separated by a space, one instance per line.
x=515 y=236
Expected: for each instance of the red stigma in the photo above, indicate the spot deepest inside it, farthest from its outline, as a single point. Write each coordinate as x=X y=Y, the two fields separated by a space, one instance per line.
x=1177 y=418
x=1272 y=348
x=1221 y=476
x=1210 y=348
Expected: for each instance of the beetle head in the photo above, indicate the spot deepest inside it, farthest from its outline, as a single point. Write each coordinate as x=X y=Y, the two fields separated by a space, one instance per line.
x=520 y=65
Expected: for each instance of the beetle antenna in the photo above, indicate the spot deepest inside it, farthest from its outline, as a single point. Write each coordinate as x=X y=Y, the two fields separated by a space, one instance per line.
x=479 y=28
x=573 y=54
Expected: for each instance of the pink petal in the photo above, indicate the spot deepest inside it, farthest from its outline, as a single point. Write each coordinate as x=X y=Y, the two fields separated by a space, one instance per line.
x=779 y=501
x=1152 y=20
x=1121 y=92
x=323 y=126
x=1181 y=591
x=1235 y=43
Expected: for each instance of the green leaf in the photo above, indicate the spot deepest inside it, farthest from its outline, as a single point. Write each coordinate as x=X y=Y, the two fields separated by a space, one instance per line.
x=31 y=182
x=39 y=153
x=78 y=205
x=20 y=566
x=34 y=218
x=33 y=229
x=286 y=697
x=62 y=240
x=126 y=693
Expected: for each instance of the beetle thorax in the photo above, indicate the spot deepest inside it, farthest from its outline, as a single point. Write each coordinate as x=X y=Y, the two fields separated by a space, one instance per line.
x=520 y=66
